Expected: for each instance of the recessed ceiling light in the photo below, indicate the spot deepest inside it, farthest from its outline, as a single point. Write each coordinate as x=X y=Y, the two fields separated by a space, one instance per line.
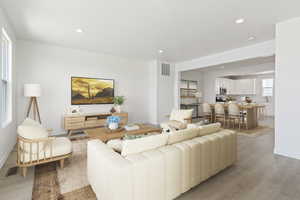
x=251 y=38
x=160 y=51
x=79 y=30
x=240 y=21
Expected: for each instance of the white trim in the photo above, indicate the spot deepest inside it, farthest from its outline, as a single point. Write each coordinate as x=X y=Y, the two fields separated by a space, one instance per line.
x=286 y=154
x=263 y=49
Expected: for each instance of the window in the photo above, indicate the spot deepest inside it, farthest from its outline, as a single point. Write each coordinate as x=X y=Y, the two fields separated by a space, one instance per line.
x=5 y=84
x=267 y=85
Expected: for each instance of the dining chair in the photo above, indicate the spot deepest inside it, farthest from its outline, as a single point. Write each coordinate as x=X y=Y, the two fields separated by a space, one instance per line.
x=207 y=112
x=234 y=114
x=220 y=113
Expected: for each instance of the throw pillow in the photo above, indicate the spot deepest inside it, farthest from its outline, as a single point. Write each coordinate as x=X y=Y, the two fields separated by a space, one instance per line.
x=143 y=144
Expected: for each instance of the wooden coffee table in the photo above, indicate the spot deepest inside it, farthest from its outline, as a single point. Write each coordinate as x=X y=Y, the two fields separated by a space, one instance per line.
x=105 y=135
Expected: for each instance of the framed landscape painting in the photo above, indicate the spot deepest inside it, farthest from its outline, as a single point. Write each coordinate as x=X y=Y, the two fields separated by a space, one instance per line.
x=92 y=91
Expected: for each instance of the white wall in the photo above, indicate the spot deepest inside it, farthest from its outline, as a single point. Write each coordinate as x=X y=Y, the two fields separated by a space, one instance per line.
x=165 y=93
x=52 y=67
x=287 y=111
x=8 y=134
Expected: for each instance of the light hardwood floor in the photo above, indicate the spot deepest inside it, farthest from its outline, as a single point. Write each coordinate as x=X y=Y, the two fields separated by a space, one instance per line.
x=258 y=175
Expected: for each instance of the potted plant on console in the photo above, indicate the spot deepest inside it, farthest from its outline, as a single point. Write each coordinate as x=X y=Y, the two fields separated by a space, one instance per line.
x=118 y=102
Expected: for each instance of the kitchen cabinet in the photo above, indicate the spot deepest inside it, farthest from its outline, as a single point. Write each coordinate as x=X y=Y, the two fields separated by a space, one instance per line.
x=245 y=86
x=235 y=87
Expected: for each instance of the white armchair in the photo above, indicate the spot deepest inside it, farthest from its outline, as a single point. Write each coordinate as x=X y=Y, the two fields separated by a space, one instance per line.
x=178 y=120
x=35 y=147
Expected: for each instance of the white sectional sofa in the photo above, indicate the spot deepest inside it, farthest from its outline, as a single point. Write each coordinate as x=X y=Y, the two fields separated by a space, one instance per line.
x=188 y=158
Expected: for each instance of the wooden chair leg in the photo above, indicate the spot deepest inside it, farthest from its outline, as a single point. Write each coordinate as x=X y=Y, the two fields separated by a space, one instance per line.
x=24 y=171
x=62 y=163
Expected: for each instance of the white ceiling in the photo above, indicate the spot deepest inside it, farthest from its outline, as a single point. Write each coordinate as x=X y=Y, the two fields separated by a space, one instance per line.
x=184 y=29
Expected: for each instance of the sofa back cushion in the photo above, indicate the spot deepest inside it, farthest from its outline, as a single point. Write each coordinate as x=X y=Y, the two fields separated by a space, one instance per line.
x=181 y=115
x=209 y=129
x=143 y=144
x=182 y=135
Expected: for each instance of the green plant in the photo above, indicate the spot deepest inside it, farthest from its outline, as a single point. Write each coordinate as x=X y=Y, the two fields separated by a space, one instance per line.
x=119 y=100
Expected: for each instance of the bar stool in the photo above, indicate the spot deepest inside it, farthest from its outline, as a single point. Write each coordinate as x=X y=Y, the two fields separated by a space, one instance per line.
x=234 y=113
x=261 y=111
x=220 y=113
x=207 y=112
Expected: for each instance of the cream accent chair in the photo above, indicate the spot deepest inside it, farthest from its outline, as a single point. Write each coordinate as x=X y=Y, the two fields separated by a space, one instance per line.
x=234 y=114
x=207 y=112
x=34 y=146
x=178 y=120
x=220 y=114
x=162 y=172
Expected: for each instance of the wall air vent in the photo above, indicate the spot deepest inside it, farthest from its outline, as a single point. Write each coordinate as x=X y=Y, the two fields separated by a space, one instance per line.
x=165 y=69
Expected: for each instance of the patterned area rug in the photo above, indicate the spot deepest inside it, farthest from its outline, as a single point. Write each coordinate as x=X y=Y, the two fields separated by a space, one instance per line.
x=70 y=183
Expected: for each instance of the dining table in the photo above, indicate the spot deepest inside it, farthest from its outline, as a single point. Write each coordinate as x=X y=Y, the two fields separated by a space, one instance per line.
x=251 y=112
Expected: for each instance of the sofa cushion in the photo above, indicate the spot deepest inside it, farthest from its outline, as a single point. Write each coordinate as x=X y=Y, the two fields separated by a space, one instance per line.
x=60 y=146
x=173 y=169
x=181 y=115
x=174 y=124
x=209 y=129
x=143 y=144
x=148 y=171
x=182 y=135
x=115 y=144
x=185 y=165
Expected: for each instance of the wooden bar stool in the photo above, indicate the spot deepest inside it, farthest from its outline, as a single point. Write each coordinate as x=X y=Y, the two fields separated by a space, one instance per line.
x=207 y=112
x=220 y=114
x=234 y=114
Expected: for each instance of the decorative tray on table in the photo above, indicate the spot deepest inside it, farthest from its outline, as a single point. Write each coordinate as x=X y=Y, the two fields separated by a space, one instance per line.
x=115 y=130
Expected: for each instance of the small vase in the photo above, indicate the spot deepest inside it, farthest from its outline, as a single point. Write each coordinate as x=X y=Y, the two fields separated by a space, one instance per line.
x=118 y=108
x=113 y=126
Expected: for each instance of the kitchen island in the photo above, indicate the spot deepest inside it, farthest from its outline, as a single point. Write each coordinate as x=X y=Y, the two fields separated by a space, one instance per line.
x=250 y=110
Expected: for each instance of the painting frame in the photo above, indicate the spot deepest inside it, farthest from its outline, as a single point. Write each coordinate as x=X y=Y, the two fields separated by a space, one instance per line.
x=91 y=78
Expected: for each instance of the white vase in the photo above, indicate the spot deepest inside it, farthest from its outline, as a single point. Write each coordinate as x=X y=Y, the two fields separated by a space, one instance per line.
x=118 y=108
x=113 y=126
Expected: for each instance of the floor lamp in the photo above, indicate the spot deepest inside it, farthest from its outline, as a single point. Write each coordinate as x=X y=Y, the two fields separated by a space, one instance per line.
x=33 y=91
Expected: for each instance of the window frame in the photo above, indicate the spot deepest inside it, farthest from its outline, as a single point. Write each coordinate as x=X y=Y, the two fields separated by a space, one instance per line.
x=270 y=88
x=6 y=79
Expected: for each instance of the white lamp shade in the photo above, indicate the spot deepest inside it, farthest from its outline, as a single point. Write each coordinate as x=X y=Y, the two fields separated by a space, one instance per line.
x=32 y=90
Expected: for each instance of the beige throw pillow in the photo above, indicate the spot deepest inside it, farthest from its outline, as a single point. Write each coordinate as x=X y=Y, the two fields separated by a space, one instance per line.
x=143 y=144
x=183 y=135
x=181 y=115
x=209 y=129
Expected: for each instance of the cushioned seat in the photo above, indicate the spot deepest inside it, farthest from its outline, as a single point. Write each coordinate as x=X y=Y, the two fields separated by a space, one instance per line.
x=36 y=147
x=173 y=171
x=163 y=173
x=185 y=152
x=60 y=146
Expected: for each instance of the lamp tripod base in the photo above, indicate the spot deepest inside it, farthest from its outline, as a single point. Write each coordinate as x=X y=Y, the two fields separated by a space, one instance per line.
x=35 y=108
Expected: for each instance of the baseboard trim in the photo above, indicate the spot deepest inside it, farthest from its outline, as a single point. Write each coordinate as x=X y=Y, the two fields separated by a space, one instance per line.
x=286 y=154
x=4 y=157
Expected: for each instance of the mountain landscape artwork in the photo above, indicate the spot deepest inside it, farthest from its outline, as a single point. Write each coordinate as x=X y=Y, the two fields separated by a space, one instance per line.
x=92 y=91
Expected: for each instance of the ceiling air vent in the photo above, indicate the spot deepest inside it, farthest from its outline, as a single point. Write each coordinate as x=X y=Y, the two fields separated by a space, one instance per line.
x=165 y=69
